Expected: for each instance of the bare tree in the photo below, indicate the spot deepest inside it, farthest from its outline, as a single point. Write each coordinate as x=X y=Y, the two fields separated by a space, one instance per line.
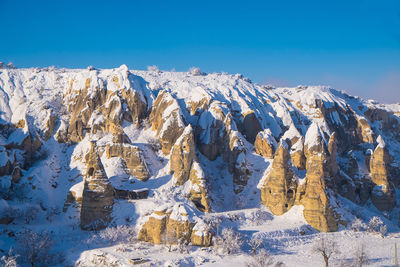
x=169 y=238
x=9 y=260
x=229 y=241
x=35 y=247
x=326 y=247
x=118 y=234
x=10 y=65
x=361 y=256
x=262 y=259
x=255 y=243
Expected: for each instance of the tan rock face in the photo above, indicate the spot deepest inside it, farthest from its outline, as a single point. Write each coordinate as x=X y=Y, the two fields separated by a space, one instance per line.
x=317 y=209
x=364 y=130
x=98 y=194
x=168 y=226
x=166 y=120
x=132 y=156
x=198 y=191
x=383 y=195
x=279 y=189
x=296 y=143
x=182 y=156
x=265 y=144
x=50 y=124
x=99 y=107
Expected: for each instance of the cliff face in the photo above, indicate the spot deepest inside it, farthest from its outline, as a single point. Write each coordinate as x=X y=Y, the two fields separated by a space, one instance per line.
x=203 y=142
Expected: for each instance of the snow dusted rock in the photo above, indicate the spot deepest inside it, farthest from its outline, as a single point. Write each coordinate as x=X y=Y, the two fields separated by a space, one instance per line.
x=279 y=189
x=98 y=194
x=316 y=200
x=131 y=155
x=101 y=103
x=328 y=134
x=383 y=195
x=166 y=120
x=296 y=143
x=265 y=144
x=170 y=224
x=182 y=156
x=198 y=189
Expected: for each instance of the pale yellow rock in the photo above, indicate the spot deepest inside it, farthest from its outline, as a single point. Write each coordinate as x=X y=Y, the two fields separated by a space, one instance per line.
x=198 y=190
x=182 y=156
x=383 y=195
x=279 y=190
x=166 y=226
x=265 y=144
x=168 y=125
x=317 y=209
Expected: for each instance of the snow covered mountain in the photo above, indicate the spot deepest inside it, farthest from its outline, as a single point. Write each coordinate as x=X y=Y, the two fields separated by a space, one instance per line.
x=170 y=152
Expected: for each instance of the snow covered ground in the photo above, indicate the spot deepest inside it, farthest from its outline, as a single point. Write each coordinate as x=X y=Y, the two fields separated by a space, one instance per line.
x=287 y=238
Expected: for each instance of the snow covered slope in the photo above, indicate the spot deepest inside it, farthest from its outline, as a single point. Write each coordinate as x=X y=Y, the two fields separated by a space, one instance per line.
x=175 y=151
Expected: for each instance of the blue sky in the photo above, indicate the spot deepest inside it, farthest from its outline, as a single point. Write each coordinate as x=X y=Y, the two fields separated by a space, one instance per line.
x=350 y=45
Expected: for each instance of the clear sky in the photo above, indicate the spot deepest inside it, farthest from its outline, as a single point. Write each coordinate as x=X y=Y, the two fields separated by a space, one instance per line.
x=352 y=45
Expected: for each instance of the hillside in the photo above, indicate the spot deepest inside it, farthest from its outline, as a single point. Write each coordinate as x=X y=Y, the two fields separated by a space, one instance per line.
x=182 y=154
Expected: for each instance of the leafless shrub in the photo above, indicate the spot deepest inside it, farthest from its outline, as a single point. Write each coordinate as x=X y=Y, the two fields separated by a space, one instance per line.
x=9 y=260
x=357 y=225
x=118 y=234
x=360 y=256
x=229 y=241
x=255 y=243
x=10 y=65
x=376 y=225
x=326 y=247
x=153 y=68
x=194 y=71
x=35 y=248
x=31 y=214
x=169 y=238
x=261 y=259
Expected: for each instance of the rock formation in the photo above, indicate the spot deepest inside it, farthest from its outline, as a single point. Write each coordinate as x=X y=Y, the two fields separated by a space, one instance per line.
x=279 y=190
x=98 y=194
x=316 y=201
x=168 y=225
x=265 y=144
x=182 y=156
x=166 y=120
x=383 y=195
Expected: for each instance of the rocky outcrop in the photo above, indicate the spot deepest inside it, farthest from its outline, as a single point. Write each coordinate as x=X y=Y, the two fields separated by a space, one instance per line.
x=166 y=120
x=168 y=225
x=251 y=126
x=182 y=156
x=235 y=155
x=316 y=201
x=296 y=143
x=383 y=195
x=98 y=194
x=198 y=189
x=99 y=106
x=279 y=189
x=265 y=144
x=131 y=155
